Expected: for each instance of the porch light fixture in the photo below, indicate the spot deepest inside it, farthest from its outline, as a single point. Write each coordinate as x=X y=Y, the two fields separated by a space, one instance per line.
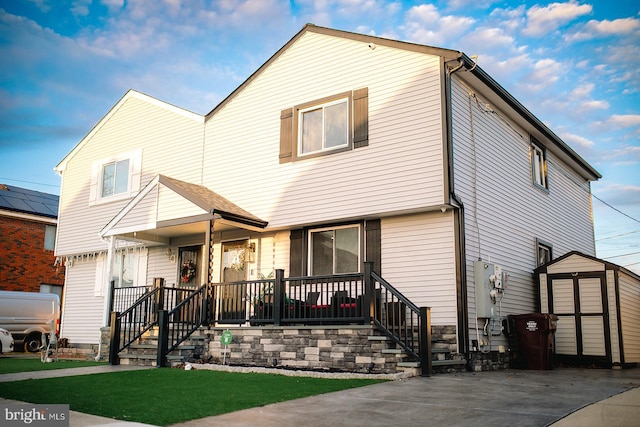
x=171 y=255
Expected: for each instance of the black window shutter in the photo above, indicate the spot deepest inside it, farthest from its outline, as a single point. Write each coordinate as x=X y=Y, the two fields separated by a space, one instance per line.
x=296 y=253
x=286 y=135
x=361 y=118
x=373 y=251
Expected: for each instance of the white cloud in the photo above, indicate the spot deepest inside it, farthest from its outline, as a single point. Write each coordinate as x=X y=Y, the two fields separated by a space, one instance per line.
x=543 y=20
x=605 y=28
x=425 y=25
x=628 y=120
x=545 y=72
x=573 y=139
x=486 y=39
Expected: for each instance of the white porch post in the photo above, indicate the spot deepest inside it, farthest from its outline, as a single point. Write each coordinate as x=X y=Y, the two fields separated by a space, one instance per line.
x=106 y=283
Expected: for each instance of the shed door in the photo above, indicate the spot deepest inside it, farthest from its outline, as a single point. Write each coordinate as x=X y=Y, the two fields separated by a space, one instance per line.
x=583 y=329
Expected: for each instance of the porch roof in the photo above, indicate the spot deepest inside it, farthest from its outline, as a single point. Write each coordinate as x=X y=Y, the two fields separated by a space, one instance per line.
x=169 y=207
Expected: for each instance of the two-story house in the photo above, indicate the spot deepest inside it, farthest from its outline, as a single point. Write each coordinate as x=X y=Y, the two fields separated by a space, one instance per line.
x=342 y=148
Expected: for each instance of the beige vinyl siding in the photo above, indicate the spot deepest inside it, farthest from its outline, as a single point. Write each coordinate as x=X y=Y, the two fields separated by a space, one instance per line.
x=82 y=312
x=400 y=170
x=613 y=316
x=418 y=258
x=171 y=143
x=576 y=264
x=504 y=211
x=160 y=265
x=630 y=316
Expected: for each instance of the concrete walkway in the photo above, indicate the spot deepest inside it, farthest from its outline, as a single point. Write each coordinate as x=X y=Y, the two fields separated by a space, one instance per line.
x=560 y=397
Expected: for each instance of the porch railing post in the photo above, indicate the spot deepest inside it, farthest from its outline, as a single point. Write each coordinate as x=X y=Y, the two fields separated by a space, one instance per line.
x=163 y=338
x=114 y=338
x=204 y=314
x=368 y=299
x=425 y=341
x=112 y=292
x=158 y=283
x=278 y=297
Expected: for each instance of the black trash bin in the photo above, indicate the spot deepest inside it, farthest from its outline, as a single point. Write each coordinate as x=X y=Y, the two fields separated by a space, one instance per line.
x=535 y=332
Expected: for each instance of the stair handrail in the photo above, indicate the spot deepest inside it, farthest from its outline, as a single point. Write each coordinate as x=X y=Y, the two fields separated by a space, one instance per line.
x=178 y=324
x=138 y=319
x=402 y=333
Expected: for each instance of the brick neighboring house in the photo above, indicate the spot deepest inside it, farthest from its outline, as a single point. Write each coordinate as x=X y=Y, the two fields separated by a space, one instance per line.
x=28 y=223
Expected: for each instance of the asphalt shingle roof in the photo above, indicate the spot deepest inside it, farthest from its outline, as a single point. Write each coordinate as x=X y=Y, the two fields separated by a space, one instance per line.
x=28 y=201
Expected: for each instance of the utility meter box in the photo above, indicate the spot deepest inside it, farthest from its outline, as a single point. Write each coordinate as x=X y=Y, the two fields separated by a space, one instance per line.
x=489 y=288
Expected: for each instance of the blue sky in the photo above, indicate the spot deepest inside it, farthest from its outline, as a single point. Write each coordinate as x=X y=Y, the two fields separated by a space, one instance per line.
x=574 y=64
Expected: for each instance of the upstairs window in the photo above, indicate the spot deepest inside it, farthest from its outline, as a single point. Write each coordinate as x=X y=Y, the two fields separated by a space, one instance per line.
x=115 y=178
x=538 y=164
x=334 y=251
x=323 y=127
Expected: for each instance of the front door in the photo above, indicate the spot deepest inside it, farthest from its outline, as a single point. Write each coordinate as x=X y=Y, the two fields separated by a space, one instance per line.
x=582 y=333
x=190 y=266
x=233 y=295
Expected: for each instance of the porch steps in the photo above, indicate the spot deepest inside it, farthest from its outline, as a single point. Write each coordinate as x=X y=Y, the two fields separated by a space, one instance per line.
x=442 y=360
x=144 y=352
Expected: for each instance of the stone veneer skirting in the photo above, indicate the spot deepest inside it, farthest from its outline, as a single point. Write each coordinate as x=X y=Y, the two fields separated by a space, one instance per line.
x=331 y=348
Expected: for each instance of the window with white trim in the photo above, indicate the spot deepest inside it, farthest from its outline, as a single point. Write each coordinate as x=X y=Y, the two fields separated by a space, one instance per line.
x=334 y=250
x=538 y=164
x=543 y=253
x=323 y=127
x=116 y=177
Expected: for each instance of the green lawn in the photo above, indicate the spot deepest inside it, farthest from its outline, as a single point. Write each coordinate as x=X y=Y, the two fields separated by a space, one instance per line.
x=10 y=365
x=167 y=396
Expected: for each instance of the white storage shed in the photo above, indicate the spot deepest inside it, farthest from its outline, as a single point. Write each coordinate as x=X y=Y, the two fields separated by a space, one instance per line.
x=598 y=309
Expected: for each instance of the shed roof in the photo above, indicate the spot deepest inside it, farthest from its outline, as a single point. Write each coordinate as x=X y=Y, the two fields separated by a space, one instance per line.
x=17 y=199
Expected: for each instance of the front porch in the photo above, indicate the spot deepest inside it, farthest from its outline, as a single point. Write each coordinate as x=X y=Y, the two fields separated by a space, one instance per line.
x=350 y=323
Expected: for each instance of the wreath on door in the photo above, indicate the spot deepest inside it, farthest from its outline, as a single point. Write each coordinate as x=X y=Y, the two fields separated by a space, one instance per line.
x=187 y=272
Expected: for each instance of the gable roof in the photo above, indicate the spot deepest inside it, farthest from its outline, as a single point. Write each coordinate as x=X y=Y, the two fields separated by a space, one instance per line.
x=131 y=94
x=17 y=199
x=167 y=202
x=606 y=264
x=449 y=56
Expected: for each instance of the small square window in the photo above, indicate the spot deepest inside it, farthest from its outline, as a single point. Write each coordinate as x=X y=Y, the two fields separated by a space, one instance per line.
x=323 y=127
x=115 y=178
x=538 y=164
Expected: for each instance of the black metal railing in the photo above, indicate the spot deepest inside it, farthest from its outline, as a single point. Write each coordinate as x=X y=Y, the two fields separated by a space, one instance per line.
x=131 y=324
x=177 y=325
x=123 y=298
x=402 y=321
x=362 y=298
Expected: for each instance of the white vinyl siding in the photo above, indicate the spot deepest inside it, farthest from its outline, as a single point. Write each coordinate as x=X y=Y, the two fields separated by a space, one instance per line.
x=418 y=257
x=504 y=212
x=169 y=142
x=400 y=170
x=630 y=316
x=613 y=316
x=83 y=311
